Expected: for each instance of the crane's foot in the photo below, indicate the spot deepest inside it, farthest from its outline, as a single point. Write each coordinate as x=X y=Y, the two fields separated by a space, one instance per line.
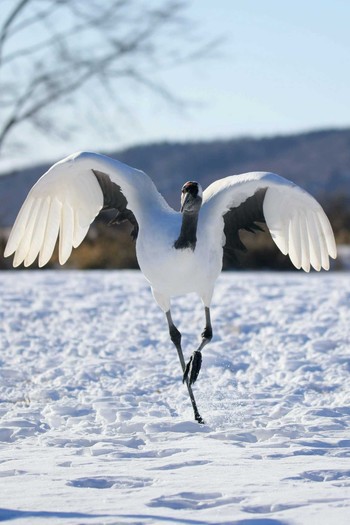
x=193 y=367
x=199 y=419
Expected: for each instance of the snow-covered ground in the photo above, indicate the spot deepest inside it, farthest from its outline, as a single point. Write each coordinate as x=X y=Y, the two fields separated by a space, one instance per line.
x=96 y=426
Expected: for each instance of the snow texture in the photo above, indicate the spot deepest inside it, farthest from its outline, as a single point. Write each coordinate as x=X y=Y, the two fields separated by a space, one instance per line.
x=96 y=426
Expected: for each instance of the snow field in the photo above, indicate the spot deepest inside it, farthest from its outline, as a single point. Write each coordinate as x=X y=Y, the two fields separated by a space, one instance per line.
x=96 y=426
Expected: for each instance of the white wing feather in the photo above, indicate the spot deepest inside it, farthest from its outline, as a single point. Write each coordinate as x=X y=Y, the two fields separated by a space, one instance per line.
x=296 y=221
x=52 y=228
x=65 y=201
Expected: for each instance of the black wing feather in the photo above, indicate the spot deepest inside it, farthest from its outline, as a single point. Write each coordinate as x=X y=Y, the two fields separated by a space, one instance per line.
x=114 y=198
x=243 y=217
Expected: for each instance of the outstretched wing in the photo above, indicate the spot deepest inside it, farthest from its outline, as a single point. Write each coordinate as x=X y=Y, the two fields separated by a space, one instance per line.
x=296 y=221
x=67 y=198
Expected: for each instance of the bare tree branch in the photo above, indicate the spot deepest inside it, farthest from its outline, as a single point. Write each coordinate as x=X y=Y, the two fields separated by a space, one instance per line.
x=50 y=50
x=8 y=22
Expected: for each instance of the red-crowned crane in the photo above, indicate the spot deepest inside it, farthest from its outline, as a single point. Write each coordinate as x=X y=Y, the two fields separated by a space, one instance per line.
x=178 y=252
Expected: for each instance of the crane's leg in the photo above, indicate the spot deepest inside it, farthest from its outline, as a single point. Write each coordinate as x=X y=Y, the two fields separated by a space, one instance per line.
x=175 y=336
x=194 y=365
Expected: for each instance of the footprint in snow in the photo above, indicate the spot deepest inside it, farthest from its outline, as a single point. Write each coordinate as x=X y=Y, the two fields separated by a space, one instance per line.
x=100 y=482
x=12 y=472
x=323 y=475
x=193 y=500
x=269 y=509
x=174 y=466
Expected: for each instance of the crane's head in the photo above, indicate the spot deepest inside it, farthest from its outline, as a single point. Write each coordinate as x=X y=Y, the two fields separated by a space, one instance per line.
x=191 y=197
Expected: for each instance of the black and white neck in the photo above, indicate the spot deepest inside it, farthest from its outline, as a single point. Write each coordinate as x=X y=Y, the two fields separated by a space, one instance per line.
x=191 y=201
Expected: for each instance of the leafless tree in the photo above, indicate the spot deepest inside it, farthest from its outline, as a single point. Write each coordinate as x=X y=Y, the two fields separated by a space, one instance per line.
x=53 y=50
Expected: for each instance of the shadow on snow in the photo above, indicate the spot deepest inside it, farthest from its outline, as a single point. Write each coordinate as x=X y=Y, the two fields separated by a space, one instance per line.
x=12 y=514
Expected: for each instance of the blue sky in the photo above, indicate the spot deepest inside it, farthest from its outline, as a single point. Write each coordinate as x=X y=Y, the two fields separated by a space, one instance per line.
x=283 y=67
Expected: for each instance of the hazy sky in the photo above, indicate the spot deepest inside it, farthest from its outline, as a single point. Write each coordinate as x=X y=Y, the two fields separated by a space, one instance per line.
x=284 y=67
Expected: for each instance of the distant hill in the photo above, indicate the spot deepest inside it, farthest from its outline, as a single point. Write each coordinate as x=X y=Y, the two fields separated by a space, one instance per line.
x=318 y=161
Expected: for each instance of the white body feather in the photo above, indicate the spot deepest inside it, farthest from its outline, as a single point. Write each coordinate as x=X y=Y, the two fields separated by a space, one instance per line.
x=68 y=197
